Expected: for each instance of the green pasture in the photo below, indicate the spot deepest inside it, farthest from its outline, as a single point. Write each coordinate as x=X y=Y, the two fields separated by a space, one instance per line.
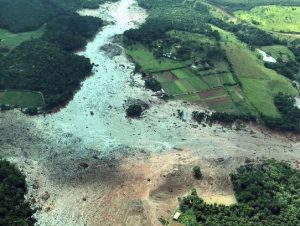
x=11 y=40
x=192 y=37
x=279 y=51
x=273 y=18
x=145 y=58
x=22 y=98
x=228 y=79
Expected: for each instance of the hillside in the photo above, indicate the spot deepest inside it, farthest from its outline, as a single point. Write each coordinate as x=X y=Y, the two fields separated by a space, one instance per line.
x=201 y=58
x=233 y=5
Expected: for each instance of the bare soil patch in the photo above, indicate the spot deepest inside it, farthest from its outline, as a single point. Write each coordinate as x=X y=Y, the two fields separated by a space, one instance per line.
x=212 y=92
x=218 y=101
x=169 y=75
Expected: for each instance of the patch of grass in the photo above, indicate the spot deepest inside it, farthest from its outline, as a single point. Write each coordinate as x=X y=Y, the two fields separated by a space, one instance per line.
x=273 y=18
x=189 y=36
x=185 y=86
x=261 y=93
x=225 y=107
x=171 y=88
x=242 y=103
x=238 y=55
x=197 y=83
x=259 y=84
x=228 y=79
x=22 y=98
x=286 y=36
x=183 y=73
x=279 y=51
x=185 y=82
x=12 y=40
x=145 y=58
x=212 y=80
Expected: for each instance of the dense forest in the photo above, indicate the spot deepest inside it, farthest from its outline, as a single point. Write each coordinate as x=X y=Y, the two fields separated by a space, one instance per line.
x=267 y=194
x=158 y=22
x=27 y=15
x=14 y=210
x=70 y=32
x=47 y=64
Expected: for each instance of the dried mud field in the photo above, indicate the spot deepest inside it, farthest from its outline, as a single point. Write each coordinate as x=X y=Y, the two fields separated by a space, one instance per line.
x=89 y=165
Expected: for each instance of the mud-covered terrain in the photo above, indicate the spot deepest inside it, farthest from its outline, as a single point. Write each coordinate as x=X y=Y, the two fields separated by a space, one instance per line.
x=90 y=165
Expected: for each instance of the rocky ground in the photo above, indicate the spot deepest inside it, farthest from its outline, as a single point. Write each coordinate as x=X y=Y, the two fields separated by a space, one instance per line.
x=130 y=186
x=90 y=165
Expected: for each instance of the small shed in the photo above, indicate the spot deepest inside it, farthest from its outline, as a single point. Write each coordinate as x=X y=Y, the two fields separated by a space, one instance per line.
x=176 y=216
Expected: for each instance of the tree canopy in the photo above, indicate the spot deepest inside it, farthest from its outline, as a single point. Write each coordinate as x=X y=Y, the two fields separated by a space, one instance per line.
x=14 y=210
x=267 y=194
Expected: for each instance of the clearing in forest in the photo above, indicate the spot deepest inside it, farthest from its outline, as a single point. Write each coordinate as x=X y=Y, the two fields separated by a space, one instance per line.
x=22 y=98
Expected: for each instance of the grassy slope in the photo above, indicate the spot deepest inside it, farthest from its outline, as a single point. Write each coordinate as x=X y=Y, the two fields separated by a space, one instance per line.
x=279 y=51
x=233 y=5
x=273 y=18
x=148 y=62
x=12 y=40
x=259 y=84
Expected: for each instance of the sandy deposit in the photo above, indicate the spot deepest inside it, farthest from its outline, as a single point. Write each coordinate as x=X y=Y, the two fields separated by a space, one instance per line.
x=90 y=165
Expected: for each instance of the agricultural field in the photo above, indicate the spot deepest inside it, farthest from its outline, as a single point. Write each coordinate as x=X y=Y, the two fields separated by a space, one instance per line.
x=22 y=98
x=148 y=62
x=259 y=84
x=12 y=40
x=186 y=84
x=273 y=18
x=224 y=73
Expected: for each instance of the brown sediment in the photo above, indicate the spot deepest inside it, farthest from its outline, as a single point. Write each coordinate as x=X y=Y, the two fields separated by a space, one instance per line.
x=212 y=92
x=217 y=101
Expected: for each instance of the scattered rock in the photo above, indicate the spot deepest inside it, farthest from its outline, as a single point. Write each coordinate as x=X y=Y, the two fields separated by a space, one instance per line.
x=112 y=50
x=35 y=185
x=84 y=165
x=45 y=196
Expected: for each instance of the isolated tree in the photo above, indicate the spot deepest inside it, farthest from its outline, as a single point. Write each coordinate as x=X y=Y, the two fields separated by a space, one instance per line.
x=197 y=172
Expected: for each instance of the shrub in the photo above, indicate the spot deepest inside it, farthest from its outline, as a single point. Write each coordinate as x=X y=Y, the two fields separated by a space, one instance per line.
x=134 y=110
x=197 y=172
